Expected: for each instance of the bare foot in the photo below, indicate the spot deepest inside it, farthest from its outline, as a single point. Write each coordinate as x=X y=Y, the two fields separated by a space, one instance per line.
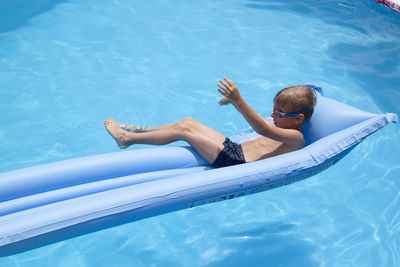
x=115 y=131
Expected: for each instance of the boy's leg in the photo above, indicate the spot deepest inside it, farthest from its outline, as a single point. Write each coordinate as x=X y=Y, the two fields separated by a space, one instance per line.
x=205 y=140
x=136 y=128
x=187 y=123
x=141 y=129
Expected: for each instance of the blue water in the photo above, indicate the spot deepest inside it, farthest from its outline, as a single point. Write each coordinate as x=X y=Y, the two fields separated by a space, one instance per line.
x=67 y=65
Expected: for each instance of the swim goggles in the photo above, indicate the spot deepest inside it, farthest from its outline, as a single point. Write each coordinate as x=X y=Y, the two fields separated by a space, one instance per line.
x=282 y=114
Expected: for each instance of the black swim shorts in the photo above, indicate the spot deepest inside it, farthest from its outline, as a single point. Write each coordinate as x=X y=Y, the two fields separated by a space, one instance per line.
x=232 y=154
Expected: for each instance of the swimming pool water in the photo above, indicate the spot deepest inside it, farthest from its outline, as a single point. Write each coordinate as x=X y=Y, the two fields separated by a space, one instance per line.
x=65 y=66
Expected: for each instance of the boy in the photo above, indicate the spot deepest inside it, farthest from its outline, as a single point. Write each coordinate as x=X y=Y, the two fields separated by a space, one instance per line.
x=293 y=106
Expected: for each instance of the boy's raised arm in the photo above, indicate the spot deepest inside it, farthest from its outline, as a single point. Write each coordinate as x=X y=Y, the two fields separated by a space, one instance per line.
x=263 y=127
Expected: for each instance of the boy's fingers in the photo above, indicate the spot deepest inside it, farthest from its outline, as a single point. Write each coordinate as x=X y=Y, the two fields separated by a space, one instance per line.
x=229 y=81
x=222 y=92
x=225 y=84
x=225 y=89
x=222 y=88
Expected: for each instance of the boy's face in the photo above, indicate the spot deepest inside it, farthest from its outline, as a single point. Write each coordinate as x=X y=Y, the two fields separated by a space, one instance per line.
x=286 y=122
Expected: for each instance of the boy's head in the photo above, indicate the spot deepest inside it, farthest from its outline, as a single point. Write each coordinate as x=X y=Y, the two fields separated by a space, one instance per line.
x=297 y=102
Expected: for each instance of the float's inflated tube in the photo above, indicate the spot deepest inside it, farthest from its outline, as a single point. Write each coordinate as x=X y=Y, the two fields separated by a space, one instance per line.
x=53 y=202
x=392 y=4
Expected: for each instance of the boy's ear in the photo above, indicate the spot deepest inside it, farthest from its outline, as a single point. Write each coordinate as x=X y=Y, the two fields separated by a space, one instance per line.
x=300 y=118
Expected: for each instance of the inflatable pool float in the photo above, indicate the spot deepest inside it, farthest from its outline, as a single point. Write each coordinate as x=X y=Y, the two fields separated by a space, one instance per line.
x=392 y=4
x=52 y=202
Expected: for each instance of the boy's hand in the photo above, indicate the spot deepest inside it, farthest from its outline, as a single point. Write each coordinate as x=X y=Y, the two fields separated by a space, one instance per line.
x=229 y=90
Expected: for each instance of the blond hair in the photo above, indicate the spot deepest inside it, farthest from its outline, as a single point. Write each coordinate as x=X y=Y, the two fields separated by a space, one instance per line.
x=296 y=99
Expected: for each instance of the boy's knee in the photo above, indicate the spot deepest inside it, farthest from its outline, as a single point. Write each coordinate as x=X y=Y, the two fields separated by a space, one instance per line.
x=186 y=125
x=188 y=121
